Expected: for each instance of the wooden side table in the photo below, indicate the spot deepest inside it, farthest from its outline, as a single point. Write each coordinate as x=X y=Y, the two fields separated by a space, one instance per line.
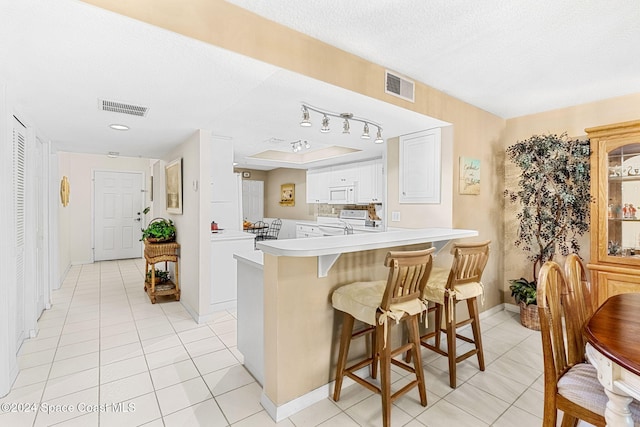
x=159 y=252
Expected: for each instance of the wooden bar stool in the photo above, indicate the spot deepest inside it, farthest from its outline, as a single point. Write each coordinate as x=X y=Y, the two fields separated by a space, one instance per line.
x=398 y=298
x=446 y=288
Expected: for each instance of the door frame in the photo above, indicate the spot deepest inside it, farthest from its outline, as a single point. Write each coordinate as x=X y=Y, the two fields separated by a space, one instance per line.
x=93 y=203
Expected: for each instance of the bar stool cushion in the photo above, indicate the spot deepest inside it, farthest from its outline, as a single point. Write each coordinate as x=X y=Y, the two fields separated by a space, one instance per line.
x=437 y=284
x=362 y=300
x=580 y=385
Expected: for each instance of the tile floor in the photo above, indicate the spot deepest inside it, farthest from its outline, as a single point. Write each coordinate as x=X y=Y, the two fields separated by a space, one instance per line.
x=105 y=356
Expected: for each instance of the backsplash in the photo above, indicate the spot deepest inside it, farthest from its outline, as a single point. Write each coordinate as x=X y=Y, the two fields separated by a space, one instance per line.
x=334 y=210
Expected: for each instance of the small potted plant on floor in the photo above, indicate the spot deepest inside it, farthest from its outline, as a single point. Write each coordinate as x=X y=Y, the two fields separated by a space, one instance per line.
x=160 y=276
x=553 y=194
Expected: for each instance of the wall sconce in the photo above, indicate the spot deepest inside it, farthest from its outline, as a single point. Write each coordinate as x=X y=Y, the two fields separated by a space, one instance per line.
x=346 y=126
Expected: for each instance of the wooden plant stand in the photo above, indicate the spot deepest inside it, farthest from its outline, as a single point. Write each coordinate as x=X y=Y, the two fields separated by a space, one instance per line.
x=159 y=252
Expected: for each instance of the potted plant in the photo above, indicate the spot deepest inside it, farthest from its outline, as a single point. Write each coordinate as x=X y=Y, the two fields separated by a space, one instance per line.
x=160 y=276
x=525 y=295
x=553 y=194
x=158 y=230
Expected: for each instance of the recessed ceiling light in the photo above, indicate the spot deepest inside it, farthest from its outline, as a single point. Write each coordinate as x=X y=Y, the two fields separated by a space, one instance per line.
x=113 y=154
x=116 y=126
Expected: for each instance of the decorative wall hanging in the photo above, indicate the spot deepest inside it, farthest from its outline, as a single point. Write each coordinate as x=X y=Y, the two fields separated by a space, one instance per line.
x=287 y=195
x=173 y=184
x=469 y=176
x=64 y=191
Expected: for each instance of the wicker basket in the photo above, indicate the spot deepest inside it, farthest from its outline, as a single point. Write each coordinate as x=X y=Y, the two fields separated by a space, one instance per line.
x=529 y=316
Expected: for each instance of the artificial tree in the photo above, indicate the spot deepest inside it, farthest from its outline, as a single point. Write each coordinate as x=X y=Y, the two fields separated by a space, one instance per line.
x=553 y=195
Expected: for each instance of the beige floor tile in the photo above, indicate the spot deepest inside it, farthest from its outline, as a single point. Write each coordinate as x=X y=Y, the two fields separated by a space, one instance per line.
x=211 y=362
x=196 y=334
x=205 y=413
x=166 y=357
x=369 y=413
x=204 y=346
x=478 y=403
x=517 y=417
x=132 y=412
x=531 y=401
x=74 y=364
x=152 y=345
x=122 y=352
x=78 y=349
x=34 y=375
x=444 y=414
x=183 y=395
x=66 y=407
x=173 y=374
x=315 y=414
x=262 y=419
x=122 y=369
x=68 y=384
x=126 y=388
x=241 y=402
x=227 y=379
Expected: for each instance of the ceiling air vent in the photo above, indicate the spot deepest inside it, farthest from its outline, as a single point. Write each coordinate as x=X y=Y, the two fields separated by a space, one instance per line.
x=399 y=86
x=121 y=107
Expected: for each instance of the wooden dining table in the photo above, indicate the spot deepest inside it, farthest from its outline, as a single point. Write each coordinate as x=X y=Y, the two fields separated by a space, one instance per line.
x=613 y=347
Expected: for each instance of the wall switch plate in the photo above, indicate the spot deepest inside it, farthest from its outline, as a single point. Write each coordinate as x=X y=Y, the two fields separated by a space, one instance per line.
x=395 y=216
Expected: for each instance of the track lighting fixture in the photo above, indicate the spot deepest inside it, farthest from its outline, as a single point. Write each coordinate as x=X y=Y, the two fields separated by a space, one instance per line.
x=298 y=145
x=346 y=125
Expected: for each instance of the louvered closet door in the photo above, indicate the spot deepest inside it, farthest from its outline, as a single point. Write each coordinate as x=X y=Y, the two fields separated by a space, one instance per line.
x=19 y=174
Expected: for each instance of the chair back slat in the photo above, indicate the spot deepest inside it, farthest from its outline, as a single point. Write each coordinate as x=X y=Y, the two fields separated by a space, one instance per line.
x=557 y=307
x=469 y=261
x=408 y=275
x=579 y=290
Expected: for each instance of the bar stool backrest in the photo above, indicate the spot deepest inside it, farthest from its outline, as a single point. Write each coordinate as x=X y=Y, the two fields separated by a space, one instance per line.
x=408 y=275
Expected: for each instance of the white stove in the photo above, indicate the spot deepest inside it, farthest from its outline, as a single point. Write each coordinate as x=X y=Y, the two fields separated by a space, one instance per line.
x=355 y=217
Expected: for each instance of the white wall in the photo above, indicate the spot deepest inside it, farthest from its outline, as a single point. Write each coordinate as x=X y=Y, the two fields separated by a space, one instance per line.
x=193 y=226
x=76 y=220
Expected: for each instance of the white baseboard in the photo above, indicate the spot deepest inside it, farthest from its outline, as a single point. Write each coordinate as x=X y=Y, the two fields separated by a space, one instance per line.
x=512 y=308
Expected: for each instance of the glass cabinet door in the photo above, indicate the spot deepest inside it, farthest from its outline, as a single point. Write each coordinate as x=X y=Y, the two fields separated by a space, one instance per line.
x=623 y=209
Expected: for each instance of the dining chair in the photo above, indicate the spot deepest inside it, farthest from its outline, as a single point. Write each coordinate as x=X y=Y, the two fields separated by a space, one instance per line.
x=570 y=382
x=446 y=288
x=580 y=289
x=377 y=303
x=273 y=230
x=259 y=229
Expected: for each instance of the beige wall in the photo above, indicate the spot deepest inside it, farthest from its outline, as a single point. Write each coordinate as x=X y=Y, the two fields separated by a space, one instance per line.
x=572 y=120
x=272 y=208
x=75 y=224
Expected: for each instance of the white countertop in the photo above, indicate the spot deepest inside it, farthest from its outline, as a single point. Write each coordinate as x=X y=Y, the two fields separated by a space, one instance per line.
x=253 y=258
x=329 y=245
x=222 y=235
x=338 y=225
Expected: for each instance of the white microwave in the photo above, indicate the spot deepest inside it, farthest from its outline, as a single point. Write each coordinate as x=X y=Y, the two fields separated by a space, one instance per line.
x=342 y=195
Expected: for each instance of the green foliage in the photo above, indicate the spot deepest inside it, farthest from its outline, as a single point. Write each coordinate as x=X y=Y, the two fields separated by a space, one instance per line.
x=553 y=194
x=160 y=228
x=523 y=291
x=161 y=275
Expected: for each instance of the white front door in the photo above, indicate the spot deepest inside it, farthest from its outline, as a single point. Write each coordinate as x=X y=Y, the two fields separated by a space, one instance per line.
x=118 y=207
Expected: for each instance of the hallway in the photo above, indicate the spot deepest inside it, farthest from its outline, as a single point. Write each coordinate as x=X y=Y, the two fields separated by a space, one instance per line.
x=103 y=343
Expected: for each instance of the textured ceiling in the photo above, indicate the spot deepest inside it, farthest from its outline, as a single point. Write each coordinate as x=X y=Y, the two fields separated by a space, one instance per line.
x=510 y=58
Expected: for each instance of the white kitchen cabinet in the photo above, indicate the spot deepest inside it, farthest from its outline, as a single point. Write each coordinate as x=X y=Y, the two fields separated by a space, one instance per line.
x=370 y=182
x=306 y=230
x=223 y=267
x=420 y=167
x=318 y=185
x=345 y=174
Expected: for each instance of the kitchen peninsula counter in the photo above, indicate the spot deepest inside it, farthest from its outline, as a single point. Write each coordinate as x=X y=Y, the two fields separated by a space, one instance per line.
x=301 y=330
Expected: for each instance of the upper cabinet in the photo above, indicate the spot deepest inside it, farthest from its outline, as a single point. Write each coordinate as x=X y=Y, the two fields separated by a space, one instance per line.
x=370 y=182
x=615 y=219
x=318 y=185
x=367 y=177
x=420 y=167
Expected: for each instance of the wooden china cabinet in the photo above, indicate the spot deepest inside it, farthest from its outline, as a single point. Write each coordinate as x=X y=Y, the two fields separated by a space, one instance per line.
x=615 y=215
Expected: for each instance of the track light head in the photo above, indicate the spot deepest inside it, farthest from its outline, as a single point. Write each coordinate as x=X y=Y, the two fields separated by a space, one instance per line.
x=305 y=117
x=345 y=126
x=325 y=124
x=365 y=131
x=379 y=139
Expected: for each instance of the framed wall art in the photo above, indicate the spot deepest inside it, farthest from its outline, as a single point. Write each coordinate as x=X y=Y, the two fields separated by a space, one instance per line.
x=288 y=195
x=469 y=176
x=173 y=185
